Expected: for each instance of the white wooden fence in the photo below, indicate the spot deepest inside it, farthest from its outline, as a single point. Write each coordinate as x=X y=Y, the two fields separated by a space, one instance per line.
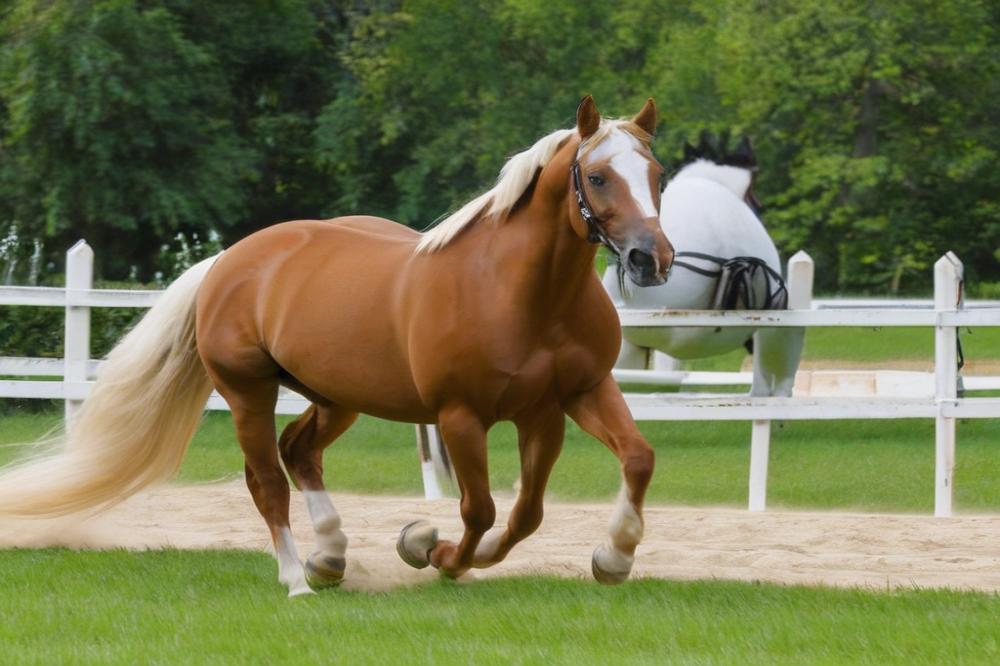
x=946 y=313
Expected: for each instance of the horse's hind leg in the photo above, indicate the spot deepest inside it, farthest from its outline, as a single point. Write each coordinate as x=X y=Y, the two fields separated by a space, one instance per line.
x=252 y=401
x=301 y=445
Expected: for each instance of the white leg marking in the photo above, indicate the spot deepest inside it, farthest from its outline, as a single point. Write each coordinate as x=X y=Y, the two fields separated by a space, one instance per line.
x=626 y=526
x=626 y=533
x=290 y=571
x=488 y=545
x=330 y=539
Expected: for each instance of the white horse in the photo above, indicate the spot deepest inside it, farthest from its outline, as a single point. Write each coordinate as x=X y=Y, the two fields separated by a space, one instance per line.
x=725 y=260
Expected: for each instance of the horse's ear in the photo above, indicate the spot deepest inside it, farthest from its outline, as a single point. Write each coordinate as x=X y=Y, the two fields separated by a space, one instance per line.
x=646 y=118
x=690 y=152
x=587 y=117
x=744 y=152
x=723 y=144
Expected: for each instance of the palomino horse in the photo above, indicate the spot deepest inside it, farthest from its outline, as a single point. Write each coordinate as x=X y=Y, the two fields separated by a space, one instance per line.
x=496 y=314
x=725 y=260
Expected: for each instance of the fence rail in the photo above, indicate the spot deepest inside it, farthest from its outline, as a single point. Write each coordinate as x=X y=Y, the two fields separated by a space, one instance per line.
x=945 y=314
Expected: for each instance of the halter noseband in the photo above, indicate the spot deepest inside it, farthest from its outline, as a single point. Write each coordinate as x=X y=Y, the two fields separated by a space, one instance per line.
x=595 y=232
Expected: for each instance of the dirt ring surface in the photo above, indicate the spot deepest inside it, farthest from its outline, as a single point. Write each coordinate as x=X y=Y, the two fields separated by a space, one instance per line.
x=838 y=549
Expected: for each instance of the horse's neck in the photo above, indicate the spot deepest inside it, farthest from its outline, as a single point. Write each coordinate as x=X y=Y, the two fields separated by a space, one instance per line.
x=733 y=178
x=541 y=258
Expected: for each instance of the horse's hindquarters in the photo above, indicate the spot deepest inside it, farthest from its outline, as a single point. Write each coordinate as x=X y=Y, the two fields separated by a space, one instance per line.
x=317 y=303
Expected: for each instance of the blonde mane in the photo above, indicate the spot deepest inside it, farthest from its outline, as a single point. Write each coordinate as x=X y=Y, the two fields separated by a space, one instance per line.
x=515 y=177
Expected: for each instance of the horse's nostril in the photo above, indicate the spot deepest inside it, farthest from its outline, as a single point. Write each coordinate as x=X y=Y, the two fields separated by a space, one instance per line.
x=642 y=261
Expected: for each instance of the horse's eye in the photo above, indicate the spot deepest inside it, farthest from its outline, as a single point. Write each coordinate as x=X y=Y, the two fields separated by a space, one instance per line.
x=596 y=180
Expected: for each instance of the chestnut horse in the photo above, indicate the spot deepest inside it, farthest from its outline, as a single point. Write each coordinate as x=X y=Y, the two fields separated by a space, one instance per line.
x=495 y=314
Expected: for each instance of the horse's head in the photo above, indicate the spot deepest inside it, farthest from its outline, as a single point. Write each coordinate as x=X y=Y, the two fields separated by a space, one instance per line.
x=712 y=159
x=616 y=185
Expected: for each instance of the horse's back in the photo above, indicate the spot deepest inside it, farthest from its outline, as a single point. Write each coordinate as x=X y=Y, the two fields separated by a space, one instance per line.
x=319 y=301
x=700 y=215
x=339 y=232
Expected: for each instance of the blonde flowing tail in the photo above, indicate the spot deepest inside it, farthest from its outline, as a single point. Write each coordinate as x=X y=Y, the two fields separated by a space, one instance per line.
x=134 y=428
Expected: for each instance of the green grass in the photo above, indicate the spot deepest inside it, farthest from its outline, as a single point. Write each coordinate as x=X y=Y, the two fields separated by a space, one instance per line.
x=174 y=607
x=864 y=465
x=881 y=345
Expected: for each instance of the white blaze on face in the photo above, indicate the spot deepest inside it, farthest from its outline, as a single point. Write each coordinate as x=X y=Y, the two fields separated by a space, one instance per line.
x=629 y=163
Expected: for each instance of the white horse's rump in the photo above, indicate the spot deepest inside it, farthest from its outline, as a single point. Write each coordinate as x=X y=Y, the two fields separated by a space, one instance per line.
x=705 y=211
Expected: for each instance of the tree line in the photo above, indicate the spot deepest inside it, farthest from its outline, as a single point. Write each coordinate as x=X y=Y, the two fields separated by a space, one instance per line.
x=128 y=122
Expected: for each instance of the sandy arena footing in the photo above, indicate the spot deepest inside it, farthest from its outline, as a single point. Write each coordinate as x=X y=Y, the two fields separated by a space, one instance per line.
x=840 y=549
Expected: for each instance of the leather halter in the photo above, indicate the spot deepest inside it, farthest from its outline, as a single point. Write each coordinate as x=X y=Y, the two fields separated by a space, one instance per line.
x=595 y=232
x=736 y=277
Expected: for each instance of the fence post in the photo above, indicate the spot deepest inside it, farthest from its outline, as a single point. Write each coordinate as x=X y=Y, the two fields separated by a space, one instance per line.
x=800 y=274
x=435 y=465
x=760 y=450
x=801 y=271
x=947 y=298
x=79 y=277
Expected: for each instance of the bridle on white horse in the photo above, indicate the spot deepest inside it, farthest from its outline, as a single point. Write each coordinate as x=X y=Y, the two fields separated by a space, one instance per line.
x=736 y=277
x=736 y=280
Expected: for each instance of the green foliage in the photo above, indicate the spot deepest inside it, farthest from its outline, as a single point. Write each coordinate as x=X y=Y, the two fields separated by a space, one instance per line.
x=112 y=137
x=443 y=92
x=873 y=125
x=183 y=253
x=127 y=122
x=38 y=331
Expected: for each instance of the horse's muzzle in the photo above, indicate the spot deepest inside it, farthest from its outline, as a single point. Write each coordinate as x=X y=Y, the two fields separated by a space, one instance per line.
x=645 y=267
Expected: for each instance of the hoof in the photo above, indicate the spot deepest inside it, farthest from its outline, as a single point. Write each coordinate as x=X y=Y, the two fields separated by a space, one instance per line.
x=415 y=543
x=610 y=568
x=324 y=571
x=300 y=591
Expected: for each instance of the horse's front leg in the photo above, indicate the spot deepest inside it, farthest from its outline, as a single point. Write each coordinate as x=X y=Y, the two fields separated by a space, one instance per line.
x=539 y=439
x=464 y=436
x=602 y=412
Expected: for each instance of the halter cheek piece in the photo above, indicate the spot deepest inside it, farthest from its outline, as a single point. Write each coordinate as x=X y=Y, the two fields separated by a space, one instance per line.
x=595 y=232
